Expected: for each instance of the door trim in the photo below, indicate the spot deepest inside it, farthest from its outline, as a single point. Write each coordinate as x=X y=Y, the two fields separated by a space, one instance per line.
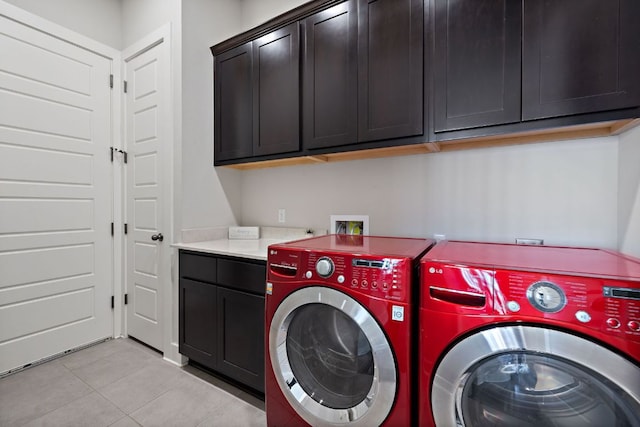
x=379 y=401
x=450 y=373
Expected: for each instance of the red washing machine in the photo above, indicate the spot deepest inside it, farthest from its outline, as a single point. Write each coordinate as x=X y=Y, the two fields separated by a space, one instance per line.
x=528 y=336
x=339 y=326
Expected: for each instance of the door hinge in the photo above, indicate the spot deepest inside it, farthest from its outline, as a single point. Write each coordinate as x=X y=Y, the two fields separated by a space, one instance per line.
x=112 y=229
x=126 y=299
x=126 y=228
x=117 y=150
x=113 y=302
x=111 y=81
x=124 y=85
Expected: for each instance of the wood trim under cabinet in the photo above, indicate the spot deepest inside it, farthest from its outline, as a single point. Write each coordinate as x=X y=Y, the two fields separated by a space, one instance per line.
x=591 y=130
x=624 y=125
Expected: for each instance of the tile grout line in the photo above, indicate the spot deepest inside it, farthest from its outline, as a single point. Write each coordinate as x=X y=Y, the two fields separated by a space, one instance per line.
x=91 y=390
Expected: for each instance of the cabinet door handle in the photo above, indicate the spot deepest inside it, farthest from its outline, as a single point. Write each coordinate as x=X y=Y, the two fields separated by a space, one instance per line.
x=158 y=237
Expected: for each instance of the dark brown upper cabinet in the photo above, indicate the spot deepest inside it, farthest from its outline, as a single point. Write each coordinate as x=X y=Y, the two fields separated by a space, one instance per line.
x=476 y=63
x=580 y=56
x=276 y=69
x=363 y=73
x=330 y=77
x=390 y=69
x=233 y=105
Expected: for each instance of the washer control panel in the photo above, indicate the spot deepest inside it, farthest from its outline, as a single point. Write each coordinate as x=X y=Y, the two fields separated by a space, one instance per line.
x=388 y=278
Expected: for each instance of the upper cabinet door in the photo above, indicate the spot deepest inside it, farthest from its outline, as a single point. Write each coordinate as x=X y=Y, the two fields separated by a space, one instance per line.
x=276 y=109
x=233 y=106
x=390 y=69
x=580 y=56
x=330 y=67
x=476 y=63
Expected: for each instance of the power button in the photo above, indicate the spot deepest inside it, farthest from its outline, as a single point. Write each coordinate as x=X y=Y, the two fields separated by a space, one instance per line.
x=613 y=323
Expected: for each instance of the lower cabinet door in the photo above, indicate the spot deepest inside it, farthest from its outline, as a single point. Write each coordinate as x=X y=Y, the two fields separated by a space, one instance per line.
x=241 y=336
x=198 y=332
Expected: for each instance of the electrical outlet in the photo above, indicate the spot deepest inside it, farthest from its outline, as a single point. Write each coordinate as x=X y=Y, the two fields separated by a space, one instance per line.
x=533 y=242
x=281 y=216
x=439 y=237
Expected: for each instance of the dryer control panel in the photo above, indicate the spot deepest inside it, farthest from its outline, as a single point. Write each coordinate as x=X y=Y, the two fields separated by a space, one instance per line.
x=609 y=306
x=382 y=277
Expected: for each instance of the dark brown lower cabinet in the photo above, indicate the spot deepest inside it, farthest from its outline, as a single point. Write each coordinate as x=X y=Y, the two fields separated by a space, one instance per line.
x=198 y=321
x=241 y=336
x=221 y=305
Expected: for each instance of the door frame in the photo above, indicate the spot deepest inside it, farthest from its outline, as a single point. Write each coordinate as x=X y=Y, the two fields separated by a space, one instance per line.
x=159 y=37
x=115 y=138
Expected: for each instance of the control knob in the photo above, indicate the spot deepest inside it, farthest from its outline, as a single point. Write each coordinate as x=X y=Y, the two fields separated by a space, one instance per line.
x=634 y=326
x=324 y=267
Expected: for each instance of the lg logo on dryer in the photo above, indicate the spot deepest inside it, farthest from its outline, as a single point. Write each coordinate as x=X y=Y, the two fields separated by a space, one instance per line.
x=433 y=270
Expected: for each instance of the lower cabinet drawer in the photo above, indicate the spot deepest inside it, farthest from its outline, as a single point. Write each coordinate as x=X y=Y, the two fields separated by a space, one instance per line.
x=242 y=275
x=197 y=267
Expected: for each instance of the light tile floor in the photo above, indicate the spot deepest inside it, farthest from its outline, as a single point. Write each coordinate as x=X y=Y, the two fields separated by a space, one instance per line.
x=122 y=383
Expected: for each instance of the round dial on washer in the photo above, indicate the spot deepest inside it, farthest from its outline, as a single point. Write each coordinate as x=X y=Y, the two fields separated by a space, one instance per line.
x=324 y=267
x=546 y=297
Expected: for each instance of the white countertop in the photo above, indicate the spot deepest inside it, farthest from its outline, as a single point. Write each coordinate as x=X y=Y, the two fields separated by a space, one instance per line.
x=215 y=241
x=254 y=249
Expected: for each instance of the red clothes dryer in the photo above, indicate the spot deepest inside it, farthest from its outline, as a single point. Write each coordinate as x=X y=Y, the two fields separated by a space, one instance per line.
x=528 y=336
x=339 y=330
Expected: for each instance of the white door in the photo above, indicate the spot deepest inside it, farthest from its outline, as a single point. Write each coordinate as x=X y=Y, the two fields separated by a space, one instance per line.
x=146 y=117
x=55 y=196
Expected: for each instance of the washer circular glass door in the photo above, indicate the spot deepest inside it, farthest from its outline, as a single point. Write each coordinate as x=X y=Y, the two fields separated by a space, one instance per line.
x=331 y=359
x=531 y=376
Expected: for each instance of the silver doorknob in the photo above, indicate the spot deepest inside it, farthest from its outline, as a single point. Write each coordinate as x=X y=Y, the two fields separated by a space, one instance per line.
x=158 y=236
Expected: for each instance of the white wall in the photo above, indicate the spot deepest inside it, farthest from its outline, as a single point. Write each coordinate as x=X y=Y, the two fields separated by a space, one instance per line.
x=256 y=12
x=562 y=192
x=141 y=17
x=629 y=193
x=210 y=197
x=99 y=20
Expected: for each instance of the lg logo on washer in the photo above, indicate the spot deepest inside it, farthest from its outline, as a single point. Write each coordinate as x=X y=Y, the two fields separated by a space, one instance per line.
x=433 y=270
x=397 y=313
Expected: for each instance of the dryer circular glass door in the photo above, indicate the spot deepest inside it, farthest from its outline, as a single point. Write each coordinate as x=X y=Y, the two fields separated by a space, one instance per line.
x=331 y=359
x=532 y=376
